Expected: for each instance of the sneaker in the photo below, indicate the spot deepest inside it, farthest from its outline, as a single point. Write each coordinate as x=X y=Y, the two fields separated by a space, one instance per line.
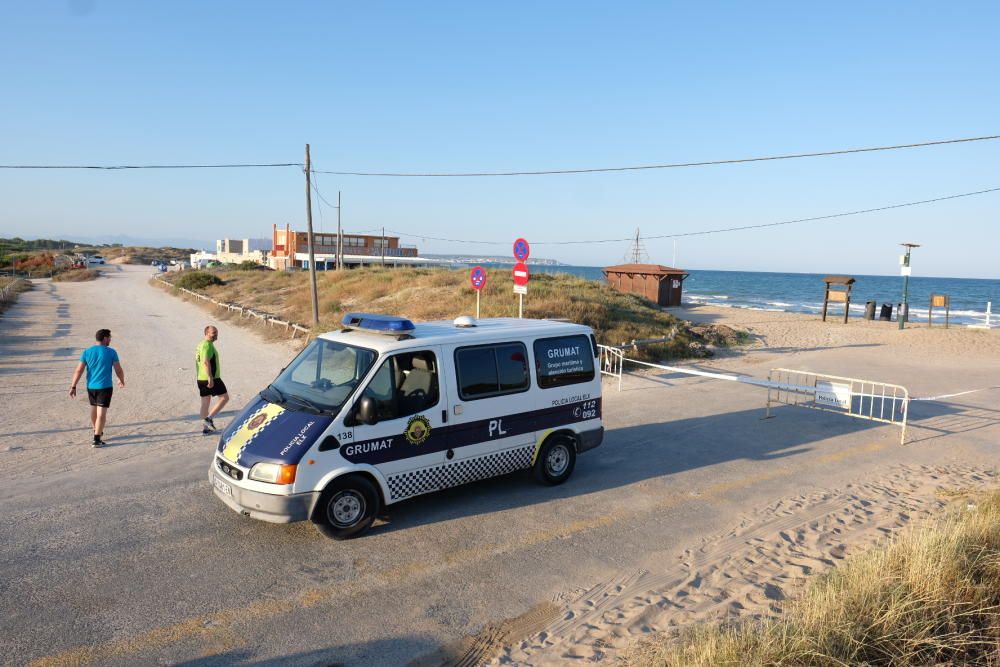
x=206 y=430
x=98 y=442
x=209 y=425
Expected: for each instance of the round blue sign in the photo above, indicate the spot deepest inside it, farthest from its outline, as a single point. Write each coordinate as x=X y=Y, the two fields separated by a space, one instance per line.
x=521 y=250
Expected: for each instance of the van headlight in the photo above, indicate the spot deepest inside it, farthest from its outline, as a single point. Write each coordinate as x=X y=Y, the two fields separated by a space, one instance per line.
x=273 y=473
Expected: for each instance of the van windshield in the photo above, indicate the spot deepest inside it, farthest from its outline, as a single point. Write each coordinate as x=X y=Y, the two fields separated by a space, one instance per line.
x=322 y=377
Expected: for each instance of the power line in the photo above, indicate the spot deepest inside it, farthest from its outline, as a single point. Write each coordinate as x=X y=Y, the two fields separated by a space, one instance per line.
x=675 y=165
x=120 y=167
x=315 y=187
x=714 y=231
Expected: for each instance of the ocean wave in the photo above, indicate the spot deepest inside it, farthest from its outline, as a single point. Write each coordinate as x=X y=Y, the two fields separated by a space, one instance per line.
x=707 y=296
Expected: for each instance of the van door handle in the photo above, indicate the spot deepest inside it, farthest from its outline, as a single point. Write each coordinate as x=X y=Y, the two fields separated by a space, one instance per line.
x=444 y=416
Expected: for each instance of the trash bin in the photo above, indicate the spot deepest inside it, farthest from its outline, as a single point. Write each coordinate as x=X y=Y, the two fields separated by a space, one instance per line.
x=886 y=313
x=869 y=310
x=903 y=312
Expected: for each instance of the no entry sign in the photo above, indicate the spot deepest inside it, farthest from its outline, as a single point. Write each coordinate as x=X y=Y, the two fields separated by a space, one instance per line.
x=521 y=250
x=478 y=278
x=521 y=274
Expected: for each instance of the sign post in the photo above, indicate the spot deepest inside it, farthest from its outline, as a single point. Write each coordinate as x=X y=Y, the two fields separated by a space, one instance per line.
x=905 y=271
x=520 y=273
x=478 y=279
x=521 y=277
x=939 y=301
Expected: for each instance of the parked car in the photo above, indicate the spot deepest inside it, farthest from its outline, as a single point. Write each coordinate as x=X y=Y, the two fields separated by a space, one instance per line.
x=96 y=259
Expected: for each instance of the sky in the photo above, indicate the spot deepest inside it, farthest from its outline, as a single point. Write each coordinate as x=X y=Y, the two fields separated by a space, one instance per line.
x=514 y=86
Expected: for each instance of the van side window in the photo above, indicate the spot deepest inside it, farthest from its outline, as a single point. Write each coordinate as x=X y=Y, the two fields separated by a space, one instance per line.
x=491 y=370
x=404 y=385
x=563 y=360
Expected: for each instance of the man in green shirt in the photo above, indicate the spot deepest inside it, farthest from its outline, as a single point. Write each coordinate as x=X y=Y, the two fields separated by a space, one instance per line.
x=210 y=379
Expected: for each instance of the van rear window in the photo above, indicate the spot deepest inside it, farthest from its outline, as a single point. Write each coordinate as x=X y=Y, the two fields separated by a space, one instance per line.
x=563 y=360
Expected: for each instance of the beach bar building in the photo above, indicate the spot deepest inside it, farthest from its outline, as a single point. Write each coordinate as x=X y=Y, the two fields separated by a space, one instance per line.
x=658 y=283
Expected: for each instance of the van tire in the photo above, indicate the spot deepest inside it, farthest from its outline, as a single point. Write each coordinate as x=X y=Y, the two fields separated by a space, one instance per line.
x=347 y=507
x=555 y=460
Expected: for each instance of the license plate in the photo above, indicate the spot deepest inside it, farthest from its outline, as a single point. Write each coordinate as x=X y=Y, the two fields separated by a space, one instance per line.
x=222 y=487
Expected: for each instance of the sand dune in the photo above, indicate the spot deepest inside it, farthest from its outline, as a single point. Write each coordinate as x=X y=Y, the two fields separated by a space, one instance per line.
x=747 y=572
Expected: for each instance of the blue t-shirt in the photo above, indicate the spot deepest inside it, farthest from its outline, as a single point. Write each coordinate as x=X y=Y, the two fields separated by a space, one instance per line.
x=99 y=360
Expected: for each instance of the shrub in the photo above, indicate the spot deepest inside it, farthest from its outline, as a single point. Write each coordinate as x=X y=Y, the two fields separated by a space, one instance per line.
x=248 y=265
x=196 y=280
x=76 y=275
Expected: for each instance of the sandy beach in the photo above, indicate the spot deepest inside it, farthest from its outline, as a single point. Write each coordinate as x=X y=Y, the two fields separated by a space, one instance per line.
x=791 y=333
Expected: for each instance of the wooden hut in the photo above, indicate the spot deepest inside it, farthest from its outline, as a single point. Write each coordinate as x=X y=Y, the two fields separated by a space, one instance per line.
x=658 y=283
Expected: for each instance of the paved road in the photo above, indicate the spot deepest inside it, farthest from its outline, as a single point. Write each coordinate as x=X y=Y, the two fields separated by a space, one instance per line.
x=122 y=556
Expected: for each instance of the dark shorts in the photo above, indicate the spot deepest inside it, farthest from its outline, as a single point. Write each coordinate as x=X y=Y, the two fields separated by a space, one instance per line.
x=100 y=397
x=218 y=388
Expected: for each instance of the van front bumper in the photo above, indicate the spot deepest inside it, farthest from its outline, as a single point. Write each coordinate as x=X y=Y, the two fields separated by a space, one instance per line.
x=265 y=506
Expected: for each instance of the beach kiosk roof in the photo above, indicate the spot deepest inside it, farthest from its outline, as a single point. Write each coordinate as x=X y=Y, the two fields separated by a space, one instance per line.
x=655 y=282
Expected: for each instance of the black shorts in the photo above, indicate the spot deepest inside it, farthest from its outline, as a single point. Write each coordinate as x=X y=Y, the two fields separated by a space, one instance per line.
x=218 y=388
x=100 y=397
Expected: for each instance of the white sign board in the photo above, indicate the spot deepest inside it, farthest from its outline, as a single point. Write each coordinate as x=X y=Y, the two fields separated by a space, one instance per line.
x=833 y=395
x=520 y=289
x=905 y=270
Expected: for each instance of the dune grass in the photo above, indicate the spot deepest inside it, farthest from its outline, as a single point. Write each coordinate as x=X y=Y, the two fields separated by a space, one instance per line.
x=931 y=597
x=430 y=294
x=76 y=275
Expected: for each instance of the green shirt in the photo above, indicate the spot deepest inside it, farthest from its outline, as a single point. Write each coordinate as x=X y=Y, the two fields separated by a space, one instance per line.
x=206 y=350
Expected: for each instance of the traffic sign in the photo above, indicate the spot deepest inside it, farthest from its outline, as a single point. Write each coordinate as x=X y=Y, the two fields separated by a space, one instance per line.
x=478 y=278
x=521 y=274
x=521 y=250
x=520 y=289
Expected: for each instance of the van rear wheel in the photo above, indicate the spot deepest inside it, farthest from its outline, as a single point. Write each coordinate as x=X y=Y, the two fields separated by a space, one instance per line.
x=347 y=507
x=555 y=461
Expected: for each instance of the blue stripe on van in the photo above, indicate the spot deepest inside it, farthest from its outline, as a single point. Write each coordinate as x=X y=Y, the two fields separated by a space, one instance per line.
x=455 y=436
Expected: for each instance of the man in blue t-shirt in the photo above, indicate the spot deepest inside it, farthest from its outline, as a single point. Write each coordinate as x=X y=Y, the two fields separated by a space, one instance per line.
x=98 y=360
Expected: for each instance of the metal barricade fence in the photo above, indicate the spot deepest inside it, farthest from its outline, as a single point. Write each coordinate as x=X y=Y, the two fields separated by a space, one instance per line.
x=853 y=397
x=612 y=362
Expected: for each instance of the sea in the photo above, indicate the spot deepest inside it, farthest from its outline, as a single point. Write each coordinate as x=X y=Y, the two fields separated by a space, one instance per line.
x=803 y=293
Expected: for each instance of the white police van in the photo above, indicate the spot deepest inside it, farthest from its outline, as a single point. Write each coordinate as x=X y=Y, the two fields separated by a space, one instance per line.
x=385 y=409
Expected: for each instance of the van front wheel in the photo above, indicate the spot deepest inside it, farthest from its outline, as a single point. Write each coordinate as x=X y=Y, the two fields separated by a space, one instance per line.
x=555 y=460
x=347 y=507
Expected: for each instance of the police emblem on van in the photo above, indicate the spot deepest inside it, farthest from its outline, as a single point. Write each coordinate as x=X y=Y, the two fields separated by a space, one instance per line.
x=418 y=429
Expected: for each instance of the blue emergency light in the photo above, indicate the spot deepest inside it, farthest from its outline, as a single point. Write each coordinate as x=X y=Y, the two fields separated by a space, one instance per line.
x=375 y=322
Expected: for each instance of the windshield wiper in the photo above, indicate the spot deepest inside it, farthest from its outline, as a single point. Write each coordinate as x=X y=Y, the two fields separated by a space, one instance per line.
x=305 y=402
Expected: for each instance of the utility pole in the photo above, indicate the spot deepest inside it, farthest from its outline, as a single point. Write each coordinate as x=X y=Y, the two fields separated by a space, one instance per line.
x=383 y=246
x=340 y=238
x=904 y=313
x=312 y=246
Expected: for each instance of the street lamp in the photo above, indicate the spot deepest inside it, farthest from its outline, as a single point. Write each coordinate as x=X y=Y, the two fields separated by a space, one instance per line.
x=904 y=313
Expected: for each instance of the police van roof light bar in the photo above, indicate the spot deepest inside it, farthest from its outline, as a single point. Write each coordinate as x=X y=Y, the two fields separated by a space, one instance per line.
x=378 y=323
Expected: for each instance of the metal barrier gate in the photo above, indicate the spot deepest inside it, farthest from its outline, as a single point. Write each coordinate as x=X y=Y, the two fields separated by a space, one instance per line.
x=612 y=362
x=861 y=399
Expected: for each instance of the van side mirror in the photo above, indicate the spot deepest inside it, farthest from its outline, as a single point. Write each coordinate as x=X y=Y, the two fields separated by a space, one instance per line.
x=366 y=413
